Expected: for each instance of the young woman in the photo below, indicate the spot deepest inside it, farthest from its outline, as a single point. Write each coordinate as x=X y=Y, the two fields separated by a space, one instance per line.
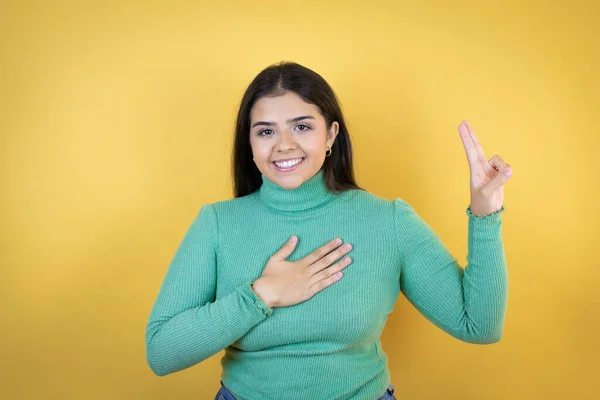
x=295 y=277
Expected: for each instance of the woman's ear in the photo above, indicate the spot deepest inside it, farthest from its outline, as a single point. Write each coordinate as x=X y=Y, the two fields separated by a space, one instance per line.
x=332 y=133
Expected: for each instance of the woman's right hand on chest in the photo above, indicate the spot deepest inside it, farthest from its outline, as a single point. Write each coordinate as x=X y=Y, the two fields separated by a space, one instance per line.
x=285 y=283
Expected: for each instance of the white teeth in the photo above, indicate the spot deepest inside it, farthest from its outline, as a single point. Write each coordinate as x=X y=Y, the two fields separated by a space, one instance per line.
x=287 y=164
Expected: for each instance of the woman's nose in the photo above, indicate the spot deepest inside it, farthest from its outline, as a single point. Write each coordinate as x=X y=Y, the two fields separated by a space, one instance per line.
x=286 y=141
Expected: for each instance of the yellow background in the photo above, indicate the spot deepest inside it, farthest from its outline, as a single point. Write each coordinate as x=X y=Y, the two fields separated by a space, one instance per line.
x=116 y=123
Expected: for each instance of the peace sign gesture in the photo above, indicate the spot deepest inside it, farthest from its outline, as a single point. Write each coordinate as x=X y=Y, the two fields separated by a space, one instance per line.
x=487 y=176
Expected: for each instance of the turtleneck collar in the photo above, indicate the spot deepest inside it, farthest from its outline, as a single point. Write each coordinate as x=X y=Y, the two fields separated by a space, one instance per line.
x=310 y=195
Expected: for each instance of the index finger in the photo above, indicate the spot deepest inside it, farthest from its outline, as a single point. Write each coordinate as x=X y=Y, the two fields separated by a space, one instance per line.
x=476 y=142
x=322 y=251
x=468 y=144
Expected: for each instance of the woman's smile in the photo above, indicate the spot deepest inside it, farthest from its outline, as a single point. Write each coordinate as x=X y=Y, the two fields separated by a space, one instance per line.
x=289 y=165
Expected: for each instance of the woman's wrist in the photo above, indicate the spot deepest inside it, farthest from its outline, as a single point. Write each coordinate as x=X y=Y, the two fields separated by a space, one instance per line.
x=259 y=290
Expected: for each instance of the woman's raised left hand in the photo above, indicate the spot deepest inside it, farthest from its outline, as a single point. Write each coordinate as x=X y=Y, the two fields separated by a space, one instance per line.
x=487 y=176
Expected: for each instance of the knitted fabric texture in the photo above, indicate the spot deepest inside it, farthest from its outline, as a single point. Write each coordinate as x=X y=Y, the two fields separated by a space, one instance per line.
x=327 y=347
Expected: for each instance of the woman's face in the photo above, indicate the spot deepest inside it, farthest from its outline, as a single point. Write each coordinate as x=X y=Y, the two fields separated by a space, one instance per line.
x=286 y=128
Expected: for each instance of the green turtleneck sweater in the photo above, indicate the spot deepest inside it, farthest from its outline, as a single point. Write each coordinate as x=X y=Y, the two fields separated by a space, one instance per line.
x=327 y=347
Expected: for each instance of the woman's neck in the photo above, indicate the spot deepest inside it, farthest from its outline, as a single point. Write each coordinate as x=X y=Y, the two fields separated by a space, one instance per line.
x=310 y=195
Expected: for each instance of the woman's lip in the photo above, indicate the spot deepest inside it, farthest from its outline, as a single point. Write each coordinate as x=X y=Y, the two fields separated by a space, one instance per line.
x=290 y=168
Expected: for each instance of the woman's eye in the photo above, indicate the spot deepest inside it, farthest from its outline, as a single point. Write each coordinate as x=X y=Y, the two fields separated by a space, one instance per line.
x=261 y=133
x=307 y=128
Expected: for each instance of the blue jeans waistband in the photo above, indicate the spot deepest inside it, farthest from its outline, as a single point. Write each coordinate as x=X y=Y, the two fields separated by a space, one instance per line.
x=225 y=394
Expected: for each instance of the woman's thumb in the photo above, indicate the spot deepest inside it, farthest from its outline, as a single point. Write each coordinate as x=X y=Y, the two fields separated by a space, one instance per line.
x=287 y=248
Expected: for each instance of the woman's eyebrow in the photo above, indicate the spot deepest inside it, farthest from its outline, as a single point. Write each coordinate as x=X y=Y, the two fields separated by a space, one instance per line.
x=289 y=121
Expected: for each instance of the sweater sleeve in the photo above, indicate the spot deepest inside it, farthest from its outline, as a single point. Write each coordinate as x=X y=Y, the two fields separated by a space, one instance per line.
x=187 y=325
x=470 y=303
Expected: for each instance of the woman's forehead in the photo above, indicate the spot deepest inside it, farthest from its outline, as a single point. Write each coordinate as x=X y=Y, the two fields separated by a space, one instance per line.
x=282 y=108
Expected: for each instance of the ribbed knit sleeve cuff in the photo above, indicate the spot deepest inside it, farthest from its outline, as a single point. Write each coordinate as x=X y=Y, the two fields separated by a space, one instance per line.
x=493 y=217
x=485 y=237
x=249 y=294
